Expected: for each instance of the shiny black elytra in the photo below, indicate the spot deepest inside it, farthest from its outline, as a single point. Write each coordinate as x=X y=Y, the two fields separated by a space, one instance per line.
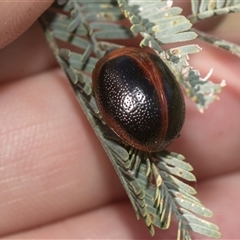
x=139 y=98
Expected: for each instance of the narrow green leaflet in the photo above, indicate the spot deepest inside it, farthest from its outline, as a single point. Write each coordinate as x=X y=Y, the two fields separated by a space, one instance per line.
x=165 y=21
x=206 y=9
x=81 y=32
x=155 y=183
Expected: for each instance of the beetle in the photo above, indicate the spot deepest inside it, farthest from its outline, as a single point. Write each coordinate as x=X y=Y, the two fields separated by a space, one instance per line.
x=139 y=98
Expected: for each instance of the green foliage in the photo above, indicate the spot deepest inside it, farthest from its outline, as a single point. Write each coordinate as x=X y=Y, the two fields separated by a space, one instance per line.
x=202 y=9
x=206 y=9
x=79 y=33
